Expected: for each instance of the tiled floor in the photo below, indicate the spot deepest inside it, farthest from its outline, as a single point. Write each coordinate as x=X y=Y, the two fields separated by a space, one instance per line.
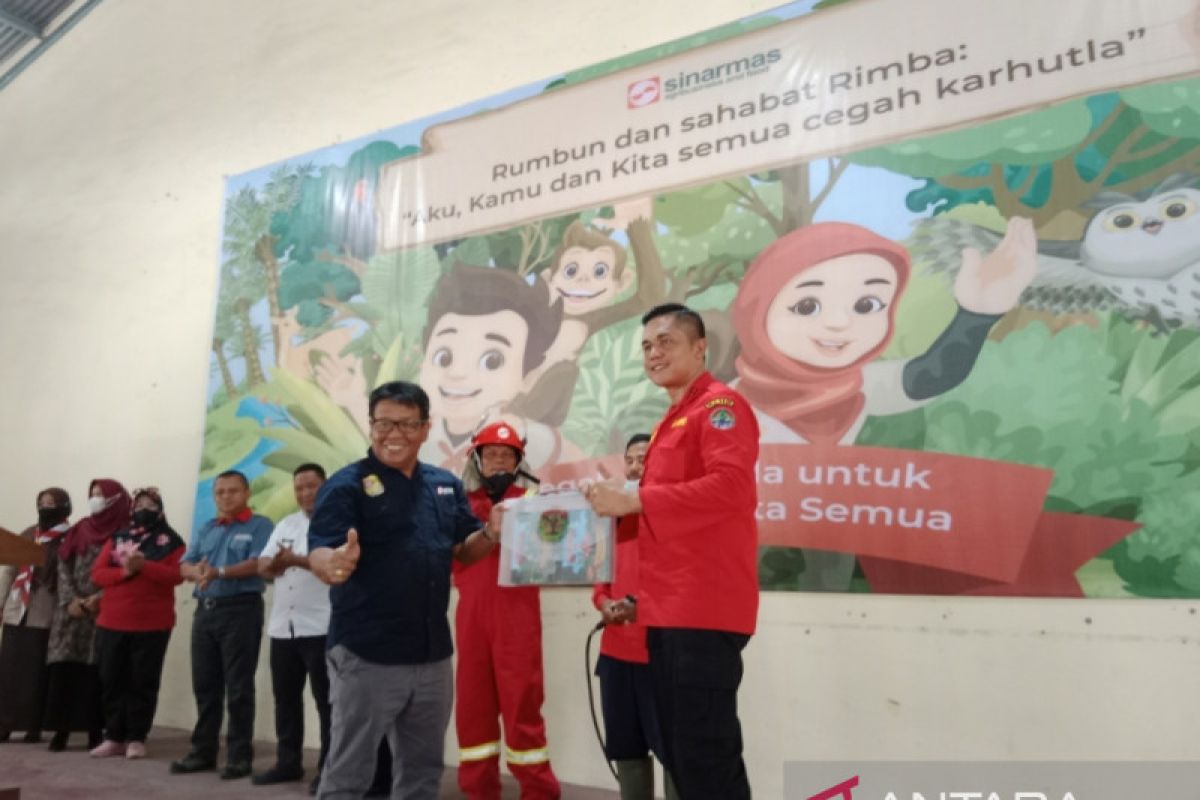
x=42 y=775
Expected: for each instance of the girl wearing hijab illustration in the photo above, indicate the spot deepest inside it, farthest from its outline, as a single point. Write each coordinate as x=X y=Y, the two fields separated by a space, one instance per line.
x=817 y=308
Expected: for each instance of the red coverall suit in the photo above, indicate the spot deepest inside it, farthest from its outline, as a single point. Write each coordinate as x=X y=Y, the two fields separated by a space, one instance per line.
x=499 y=635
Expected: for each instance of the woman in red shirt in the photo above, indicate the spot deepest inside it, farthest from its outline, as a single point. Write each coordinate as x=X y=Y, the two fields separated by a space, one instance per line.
x=138 y=570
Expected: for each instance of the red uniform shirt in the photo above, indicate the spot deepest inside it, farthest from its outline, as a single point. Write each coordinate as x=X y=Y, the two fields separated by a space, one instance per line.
x=145 y=602
x=697 y=537
x=626 y=642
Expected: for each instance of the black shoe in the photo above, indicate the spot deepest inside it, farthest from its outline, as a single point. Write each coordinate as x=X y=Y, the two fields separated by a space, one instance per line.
x=59 y=742
x=32 y=737
x=192 y=762
x=234 y=770
x=316 y=784
x=278 y=774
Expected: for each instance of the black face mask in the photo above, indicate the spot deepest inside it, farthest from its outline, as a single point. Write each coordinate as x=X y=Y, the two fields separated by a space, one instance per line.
x=496 y=485
x=49 y=517
x=145 y=517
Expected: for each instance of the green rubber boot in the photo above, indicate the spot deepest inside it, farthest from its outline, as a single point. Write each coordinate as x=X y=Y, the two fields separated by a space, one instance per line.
x=635 y=778
x=669 y=786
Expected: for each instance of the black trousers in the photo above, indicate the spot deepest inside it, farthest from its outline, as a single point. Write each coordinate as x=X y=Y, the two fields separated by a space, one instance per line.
x=226 y=634
x=23 y=664
x=73 y=698
x=131 y=665
x=293 y=661
x=630 y=717
x=696 y=674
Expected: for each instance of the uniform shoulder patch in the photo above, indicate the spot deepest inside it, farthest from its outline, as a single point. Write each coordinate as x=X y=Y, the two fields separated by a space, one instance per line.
x=679 y=423
x=722 y=419
x=372 y=486
x=718 y=402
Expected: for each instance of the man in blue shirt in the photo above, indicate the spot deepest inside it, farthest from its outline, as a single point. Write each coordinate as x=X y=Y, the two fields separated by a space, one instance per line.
x=382 y=535
x=222 y=560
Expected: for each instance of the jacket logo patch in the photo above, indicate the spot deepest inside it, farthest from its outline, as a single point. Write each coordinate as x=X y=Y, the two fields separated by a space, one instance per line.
x=441 y=490
x=719 y=401
x=372 y=486
x=679 y=423
x=722 y=419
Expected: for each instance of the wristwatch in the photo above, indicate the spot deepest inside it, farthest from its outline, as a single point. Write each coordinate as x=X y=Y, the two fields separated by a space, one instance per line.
x=220 y=572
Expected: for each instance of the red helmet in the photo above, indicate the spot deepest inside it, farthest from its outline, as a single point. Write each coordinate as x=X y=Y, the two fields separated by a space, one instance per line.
x=499 y=433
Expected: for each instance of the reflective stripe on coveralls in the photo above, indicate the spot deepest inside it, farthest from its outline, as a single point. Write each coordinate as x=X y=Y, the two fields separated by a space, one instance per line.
x=479 y=752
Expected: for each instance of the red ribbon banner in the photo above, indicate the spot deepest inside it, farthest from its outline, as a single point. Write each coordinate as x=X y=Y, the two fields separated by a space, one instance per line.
x=929 y=523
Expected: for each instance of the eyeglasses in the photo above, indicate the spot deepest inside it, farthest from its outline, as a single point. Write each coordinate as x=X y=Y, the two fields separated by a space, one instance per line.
x=382 y=427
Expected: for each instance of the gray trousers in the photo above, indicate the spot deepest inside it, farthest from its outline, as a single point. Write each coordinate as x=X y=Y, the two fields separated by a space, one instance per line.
x=409 y=704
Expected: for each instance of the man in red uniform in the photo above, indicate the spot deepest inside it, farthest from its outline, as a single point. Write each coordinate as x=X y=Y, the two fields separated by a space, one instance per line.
x=697 y=544
x=631 y=729
x=499 y=633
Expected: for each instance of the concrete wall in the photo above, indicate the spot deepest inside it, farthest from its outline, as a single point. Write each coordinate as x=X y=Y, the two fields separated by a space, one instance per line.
x=112 y=152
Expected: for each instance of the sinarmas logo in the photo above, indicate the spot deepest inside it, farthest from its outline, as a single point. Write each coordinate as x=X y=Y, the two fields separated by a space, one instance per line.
x=717 y=74
x=647 y=91
x=643 y=92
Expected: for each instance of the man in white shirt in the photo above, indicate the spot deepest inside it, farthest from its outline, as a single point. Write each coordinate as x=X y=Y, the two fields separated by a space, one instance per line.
x=297 y=627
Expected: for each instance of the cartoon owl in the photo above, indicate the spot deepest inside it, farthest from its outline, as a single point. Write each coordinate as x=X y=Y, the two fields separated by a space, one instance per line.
x=1139 y=257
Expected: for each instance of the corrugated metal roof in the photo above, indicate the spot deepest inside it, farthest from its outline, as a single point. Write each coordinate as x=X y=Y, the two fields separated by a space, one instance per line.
x=28 y=28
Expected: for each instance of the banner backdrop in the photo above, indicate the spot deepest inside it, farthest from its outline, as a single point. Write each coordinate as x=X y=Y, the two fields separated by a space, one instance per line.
x=950 y=256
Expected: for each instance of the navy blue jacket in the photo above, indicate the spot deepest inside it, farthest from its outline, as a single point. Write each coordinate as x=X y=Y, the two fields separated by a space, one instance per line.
x=392 y=610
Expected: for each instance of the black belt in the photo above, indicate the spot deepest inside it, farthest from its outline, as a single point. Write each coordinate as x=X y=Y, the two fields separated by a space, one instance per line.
x=245 y=598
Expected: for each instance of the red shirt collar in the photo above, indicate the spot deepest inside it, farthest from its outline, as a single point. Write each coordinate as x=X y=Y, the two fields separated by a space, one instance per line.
x=241 y=516
x=699 y=386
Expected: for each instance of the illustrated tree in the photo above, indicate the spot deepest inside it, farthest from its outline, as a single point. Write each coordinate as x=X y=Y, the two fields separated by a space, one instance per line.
x=223 y=333
x=527 y=249
x=242 y=285
x=313 y=287
x=327 y=238
x=248 y=215
x=1046 y=164
x=332 y=218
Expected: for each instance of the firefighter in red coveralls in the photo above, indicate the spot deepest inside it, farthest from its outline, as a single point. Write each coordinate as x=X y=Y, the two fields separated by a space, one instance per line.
x=499 y=633
x=697 y=547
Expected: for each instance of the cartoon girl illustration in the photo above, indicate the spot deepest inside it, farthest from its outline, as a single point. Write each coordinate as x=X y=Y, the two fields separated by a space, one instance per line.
x=817 y=308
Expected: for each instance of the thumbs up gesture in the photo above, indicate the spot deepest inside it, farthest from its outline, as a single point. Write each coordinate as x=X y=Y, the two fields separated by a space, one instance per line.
x=334 y=566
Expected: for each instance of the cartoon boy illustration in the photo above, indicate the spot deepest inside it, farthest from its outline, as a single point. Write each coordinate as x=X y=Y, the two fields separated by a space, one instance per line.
x=488 y=331
x=816 y=309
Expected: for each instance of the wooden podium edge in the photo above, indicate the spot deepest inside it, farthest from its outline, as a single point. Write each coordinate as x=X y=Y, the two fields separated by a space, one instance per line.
x=17 y=551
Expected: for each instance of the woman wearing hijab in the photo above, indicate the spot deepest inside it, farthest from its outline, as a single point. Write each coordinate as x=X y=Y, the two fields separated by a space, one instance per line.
x=138 y=570
x=818 y=307
x=27 y=595
x=73 y=696
x=816 y=310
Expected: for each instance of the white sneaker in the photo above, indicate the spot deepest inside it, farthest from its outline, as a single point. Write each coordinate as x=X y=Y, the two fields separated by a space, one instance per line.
x=107 y=749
